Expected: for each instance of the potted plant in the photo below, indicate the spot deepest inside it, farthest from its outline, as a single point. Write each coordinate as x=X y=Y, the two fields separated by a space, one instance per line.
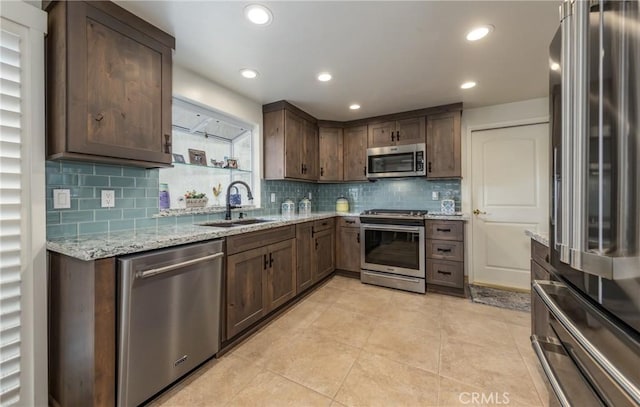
x=195 y=199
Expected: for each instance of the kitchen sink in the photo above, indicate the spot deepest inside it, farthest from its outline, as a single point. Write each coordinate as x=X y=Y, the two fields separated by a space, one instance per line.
x=231 y=224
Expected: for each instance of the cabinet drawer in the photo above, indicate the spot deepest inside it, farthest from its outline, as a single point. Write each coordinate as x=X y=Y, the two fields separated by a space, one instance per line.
x=538 y=272
x=349 y=221
x=540 y=253
x=445 y=272
x=323 y=224
x=445 y=230
x=445 y=250
x=247 y=241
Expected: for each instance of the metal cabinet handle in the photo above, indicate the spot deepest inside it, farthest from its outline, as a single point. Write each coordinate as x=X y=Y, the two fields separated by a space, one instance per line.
x=266 y=262
x=364 y=171
x=429 y=166
x=350 y=221
x=392 y=136
x=313 y=231
x=546 y=367
x=446 y=273
x=582 y=340
x=398 y=135
x=316 y=244
x=160 y=270
x=443 y=250
x=443 y=230
x=167 y=143
x=358 y=238
x=321 y=171
x=270 y=259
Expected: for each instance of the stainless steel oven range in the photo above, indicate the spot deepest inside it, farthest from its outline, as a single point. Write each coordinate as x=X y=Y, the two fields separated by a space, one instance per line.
x=392 y=250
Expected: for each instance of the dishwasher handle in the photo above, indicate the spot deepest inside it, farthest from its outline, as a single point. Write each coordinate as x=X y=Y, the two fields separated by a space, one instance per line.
x=160 y=270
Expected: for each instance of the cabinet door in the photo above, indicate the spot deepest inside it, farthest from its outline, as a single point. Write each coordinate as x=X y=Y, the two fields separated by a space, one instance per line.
x=324 y=253
x=310 y=152
x=281 y=276
x=330 y=154
x=355 y=153
x=294 y=145
x=246 y=289
x=348 y=249
x=410 y=131
x=119 y=84
x=443 y=146
x=380 y=134
x=304 y=242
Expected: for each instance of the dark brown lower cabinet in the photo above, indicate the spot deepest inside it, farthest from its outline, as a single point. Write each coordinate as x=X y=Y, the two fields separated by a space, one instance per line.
x=348 y=244
x=540 y=270
x=316 y=251
x=258 y=281
x=444 y=252
x=82 y=335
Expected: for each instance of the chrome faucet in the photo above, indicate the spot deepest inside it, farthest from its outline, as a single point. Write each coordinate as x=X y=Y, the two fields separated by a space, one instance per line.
x=227 y=216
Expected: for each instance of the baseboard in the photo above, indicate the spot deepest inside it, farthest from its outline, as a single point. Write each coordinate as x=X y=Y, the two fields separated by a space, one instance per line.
x=502 y=287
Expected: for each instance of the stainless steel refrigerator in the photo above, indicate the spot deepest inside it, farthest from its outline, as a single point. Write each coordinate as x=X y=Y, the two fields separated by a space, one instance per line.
x=588 y=341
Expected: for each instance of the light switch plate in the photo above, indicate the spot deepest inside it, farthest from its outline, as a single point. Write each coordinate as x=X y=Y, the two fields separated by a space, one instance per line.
x=310 y=196
x=435 y=195
x=61 y=198
x=108 y=198
x=273 y=197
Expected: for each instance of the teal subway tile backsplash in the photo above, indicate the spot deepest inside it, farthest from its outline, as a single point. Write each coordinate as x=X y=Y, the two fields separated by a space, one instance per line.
x=86 y=182
x=136 y=192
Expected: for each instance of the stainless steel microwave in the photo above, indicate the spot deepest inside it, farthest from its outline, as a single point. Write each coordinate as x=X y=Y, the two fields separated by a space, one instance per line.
x=396 y=161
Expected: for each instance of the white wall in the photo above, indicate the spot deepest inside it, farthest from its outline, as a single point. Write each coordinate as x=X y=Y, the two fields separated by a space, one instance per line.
x=199 y=89
x=490 y=117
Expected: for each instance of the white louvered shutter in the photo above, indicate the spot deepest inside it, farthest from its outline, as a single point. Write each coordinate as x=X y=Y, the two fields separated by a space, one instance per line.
x=11 y=222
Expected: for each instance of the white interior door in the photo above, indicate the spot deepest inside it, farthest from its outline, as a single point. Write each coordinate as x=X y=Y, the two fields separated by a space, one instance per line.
x=510 y=193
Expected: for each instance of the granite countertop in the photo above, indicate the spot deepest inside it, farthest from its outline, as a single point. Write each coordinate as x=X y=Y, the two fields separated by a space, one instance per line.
x=103 y=245
x=538 y=237
x=442 y=216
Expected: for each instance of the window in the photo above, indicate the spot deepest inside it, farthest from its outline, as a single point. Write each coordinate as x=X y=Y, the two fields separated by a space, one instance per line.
x=23 y=364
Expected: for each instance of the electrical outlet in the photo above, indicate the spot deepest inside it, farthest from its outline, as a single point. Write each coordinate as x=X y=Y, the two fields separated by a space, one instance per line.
x=310 y=195
x=61 y=198
x=108 y=198
x=273 y=197
x=435 y=195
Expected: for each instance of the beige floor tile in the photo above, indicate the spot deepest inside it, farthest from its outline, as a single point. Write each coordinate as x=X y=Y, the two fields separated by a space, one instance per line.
x=300 y=316
x=408 y=344
x=214 y=384
x=377 y=381
x=537 y=374
x=477 y=329
x=262 y=344
x=325 y=294
x=454 y=393
x=369 y=303
x=521 y=336
x=314 y=361
x=488 y=368
x=343 y=326
x=269 y=389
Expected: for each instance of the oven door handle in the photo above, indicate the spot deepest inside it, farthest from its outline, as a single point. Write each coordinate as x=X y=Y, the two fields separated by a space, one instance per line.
x=583 y=341
x=399 y=228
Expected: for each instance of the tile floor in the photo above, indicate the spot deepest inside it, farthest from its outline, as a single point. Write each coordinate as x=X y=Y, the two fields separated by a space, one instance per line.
x=349 y=344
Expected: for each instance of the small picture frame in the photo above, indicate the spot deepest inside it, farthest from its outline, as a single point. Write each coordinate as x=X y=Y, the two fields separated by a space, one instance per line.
x=178 y=158
x=232 y=163
x=197 y=157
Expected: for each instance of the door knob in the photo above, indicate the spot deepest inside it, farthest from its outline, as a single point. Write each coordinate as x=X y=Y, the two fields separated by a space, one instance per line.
x=479 y=212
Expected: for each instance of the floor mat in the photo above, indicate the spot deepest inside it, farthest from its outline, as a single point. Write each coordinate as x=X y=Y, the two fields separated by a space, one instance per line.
x=501 y=298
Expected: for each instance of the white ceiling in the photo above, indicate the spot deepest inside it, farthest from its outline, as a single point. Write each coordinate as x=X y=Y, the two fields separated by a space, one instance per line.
x=387 y=56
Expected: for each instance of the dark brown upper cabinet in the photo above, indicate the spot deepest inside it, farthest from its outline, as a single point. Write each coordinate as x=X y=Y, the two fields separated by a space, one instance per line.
x=355 y=153
x=444 y=154
x=330 y=154
x=108 y=86
x=290 y=143
x=398 y=132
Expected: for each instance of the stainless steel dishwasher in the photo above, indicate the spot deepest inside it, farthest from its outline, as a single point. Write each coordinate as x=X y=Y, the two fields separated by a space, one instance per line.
x=168 y=316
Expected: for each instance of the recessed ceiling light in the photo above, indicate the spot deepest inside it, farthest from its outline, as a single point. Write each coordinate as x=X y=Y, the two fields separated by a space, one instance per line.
x=479 y=32
x=249 y=73
x=468 y=85
x=554 y=66
x=258 y=14
x=324 y=77
x=354 y=106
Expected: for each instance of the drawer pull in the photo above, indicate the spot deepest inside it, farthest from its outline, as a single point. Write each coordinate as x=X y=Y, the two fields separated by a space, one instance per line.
x=325 y=223
x=443 y=230
x=446 y=273
x=358 y=237
x=266 y=262
x=443 y=250
x=351 y=222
